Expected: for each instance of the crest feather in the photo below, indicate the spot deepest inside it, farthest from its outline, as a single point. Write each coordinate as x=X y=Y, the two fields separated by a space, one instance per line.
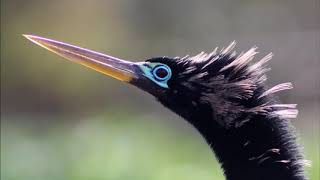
x=229 y=78
x=277 y=88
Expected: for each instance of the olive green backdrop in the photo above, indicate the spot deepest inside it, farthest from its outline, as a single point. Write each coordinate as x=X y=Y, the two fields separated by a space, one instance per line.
x=62 y=121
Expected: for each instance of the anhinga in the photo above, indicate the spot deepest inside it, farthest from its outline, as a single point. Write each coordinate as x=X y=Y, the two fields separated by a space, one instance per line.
x=223 y=95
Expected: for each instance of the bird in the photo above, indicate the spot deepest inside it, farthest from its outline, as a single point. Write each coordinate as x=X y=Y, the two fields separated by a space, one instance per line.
x=223 y=95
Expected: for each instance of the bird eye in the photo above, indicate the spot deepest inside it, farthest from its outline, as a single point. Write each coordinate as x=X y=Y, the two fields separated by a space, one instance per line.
x=161 y=72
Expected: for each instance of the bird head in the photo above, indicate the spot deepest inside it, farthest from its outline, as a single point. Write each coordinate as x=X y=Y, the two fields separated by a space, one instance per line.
x=222 y=94
x=221 y=83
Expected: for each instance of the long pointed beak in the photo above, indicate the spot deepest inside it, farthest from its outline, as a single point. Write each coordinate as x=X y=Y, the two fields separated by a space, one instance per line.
x=114 y=67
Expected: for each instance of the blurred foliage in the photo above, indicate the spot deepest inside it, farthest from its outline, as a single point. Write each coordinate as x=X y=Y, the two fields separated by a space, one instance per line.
x=99 y=149
x=113 y=147
x=63 y=121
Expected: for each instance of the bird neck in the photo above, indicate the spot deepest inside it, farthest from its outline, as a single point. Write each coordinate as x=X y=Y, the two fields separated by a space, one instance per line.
x=263 y=148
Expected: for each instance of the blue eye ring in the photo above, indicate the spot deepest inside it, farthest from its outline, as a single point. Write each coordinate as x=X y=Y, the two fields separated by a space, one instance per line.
x=161 y=69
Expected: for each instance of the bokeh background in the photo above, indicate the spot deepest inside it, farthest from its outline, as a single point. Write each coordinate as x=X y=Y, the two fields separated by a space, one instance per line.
x=61 y=121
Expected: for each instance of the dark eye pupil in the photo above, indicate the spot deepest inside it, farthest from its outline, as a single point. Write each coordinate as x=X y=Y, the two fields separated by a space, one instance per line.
x=161 y=72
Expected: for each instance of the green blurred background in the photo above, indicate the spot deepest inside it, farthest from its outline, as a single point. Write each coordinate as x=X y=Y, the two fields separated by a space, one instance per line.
x=61 y=121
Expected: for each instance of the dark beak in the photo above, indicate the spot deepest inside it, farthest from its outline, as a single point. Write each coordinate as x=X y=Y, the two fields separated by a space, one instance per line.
x=111 y=66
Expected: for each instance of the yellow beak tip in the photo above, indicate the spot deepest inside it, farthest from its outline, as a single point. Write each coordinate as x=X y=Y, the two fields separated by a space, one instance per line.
x=28 y=36
x=32 y=38
x=102 y=63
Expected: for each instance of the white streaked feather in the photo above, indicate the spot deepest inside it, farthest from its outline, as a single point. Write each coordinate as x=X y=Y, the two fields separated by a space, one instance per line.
x=277 y=88
x=258 y=68
x=263 y=61
x=287 y=113
x=242 y=60
x=288 y=106
x=229 y=48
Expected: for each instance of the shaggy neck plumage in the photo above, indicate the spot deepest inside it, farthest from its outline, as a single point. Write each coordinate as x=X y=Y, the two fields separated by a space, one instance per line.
x=224 y=97
x=263 y=148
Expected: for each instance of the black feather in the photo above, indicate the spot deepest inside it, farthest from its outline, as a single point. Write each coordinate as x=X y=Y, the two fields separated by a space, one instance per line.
x=224 y=96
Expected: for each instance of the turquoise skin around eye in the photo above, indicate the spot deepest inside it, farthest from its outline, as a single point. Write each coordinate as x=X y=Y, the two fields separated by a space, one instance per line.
x=148 y=71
